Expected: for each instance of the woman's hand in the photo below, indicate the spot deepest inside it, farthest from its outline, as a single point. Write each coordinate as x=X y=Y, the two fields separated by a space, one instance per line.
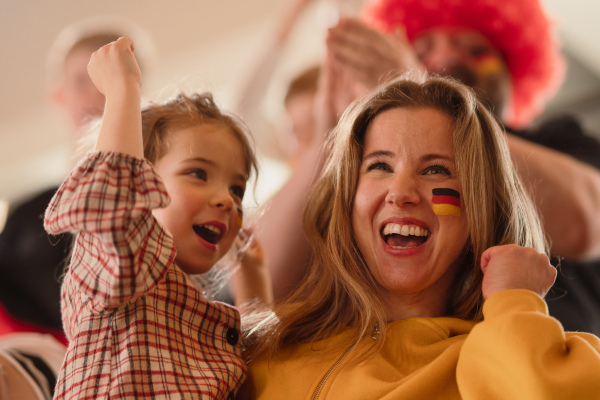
x=114 y=69
x=515 y=267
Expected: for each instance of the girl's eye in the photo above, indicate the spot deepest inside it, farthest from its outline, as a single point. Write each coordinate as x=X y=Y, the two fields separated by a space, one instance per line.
x=199 y=173
x=437 y=169
x=238 y=191
x=381 y=166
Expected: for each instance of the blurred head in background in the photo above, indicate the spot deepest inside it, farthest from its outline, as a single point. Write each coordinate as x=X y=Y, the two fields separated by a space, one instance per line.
x=69 y=85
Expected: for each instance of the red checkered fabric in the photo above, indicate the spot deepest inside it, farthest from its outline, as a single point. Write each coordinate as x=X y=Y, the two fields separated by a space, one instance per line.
x=138 y=326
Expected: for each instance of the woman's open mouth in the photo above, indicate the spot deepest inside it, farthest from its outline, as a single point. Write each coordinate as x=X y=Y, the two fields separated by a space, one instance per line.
x=408 y=236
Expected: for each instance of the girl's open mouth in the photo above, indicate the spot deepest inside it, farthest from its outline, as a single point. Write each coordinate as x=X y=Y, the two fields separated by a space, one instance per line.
x=210 y=233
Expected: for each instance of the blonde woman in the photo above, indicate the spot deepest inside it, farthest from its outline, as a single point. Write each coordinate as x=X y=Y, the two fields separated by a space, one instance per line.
x=430 y=267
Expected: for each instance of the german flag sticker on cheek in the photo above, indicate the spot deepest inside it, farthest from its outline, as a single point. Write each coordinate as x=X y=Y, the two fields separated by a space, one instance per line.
x=446 y=202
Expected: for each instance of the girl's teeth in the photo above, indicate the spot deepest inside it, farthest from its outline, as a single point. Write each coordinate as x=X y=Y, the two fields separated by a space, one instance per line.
x=213 y=228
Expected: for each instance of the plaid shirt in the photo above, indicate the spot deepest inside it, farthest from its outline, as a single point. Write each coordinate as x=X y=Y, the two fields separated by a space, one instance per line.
x=138 y=327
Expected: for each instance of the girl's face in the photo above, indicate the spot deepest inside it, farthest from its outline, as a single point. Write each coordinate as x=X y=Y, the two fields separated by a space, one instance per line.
x=411 y=245
x=205 y=175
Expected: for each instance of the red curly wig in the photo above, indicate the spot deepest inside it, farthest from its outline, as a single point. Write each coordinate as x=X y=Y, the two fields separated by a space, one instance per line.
x=519 y=29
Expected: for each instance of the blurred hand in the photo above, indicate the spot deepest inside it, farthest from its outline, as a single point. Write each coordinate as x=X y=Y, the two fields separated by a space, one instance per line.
x=335 y=91
x=113 y=68
x=251 y=283
x=370 y=56
x=515 y=267
x=252 y=255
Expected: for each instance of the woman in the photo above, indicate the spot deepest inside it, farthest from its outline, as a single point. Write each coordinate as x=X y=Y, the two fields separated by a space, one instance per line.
x=430 y=267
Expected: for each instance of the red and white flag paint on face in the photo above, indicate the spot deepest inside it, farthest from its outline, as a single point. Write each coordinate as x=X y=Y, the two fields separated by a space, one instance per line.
x=446 y=202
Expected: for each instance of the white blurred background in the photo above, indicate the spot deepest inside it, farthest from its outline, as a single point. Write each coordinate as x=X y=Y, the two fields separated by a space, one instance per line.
x=205 y=45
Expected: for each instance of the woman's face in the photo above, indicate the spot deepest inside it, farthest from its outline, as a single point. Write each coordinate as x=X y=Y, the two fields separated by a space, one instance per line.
x=411 y=241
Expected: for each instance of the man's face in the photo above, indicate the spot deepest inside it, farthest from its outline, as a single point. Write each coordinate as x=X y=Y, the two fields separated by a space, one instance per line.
x=468 y=56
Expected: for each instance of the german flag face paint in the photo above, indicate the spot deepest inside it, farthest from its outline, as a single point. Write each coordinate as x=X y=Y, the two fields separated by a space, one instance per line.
x=446 y=202
x=240 y=217
x=488 y=65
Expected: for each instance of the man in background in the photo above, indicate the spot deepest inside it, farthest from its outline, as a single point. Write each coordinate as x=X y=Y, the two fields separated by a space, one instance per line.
x=506 y=51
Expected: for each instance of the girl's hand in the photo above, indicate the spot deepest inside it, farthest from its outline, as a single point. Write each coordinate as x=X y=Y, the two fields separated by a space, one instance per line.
x=252 y=252
x=113 y=68
x=515 y=267
x=251 y=283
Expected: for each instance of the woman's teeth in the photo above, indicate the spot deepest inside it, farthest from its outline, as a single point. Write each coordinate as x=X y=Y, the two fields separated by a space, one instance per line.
x=401 y=236
x=405 y=230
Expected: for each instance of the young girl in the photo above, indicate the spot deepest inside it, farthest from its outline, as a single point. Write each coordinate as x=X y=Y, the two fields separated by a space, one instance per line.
x=159 y=199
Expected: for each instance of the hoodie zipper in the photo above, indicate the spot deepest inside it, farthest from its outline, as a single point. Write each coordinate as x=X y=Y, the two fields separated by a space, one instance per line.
x=322 y=383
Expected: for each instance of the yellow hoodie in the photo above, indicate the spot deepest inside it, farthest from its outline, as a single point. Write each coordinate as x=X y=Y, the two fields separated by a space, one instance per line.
x=516 y=352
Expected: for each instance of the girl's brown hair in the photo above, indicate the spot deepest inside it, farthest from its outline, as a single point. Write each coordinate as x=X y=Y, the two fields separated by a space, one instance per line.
x=185 y=111
x=339 y=292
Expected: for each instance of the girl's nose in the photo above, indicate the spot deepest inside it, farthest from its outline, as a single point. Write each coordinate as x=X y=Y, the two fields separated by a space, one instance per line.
x=403 y=191
x=222 y=198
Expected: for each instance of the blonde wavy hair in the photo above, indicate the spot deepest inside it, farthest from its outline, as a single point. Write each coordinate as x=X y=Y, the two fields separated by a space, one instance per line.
x=339 y=292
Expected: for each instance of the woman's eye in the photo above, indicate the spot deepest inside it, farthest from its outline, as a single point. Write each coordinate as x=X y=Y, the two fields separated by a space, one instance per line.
x=238 y=191
x=437 y=169
x=199 y=173
x=379 y=166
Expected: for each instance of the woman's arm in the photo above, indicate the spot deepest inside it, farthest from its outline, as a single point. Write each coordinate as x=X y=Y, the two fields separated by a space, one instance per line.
x=518 y=352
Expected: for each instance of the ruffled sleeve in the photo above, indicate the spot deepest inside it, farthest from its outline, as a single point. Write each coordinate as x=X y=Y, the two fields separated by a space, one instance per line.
x=121 y=251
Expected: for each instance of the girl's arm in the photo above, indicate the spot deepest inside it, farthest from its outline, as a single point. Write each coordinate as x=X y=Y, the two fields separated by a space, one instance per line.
x=121 y=252
x=115 y=72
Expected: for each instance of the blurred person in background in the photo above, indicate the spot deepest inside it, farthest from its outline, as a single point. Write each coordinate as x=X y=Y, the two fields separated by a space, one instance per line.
x=31 y=263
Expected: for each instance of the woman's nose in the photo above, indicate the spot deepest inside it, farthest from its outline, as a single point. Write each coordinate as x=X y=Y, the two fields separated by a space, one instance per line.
x=403 y=190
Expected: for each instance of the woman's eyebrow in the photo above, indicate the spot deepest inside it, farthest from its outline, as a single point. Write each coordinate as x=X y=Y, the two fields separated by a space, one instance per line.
x=378 y=153
x=434 y=156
